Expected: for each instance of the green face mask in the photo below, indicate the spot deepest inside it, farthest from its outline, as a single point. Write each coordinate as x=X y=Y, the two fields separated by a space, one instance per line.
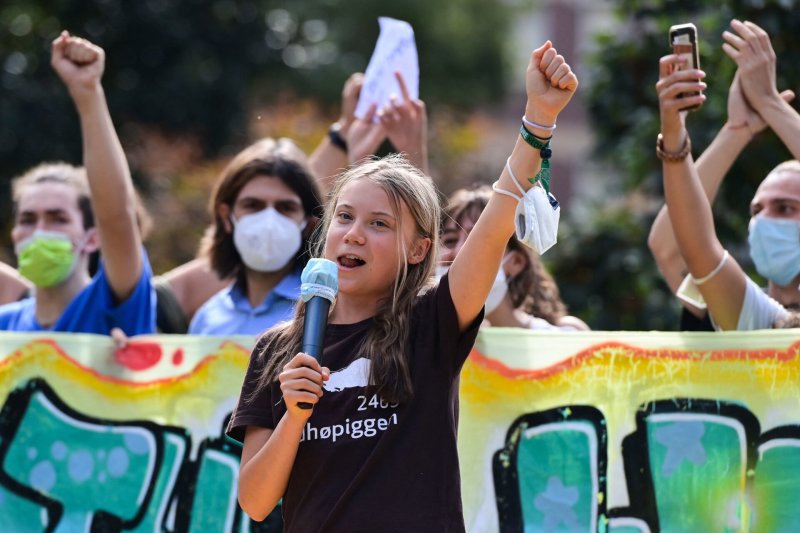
x=46 y=258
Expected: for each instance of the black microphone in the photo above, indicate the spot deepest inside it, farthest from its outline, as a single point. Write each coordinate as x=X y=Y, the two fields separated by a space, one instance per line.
x=319 y=285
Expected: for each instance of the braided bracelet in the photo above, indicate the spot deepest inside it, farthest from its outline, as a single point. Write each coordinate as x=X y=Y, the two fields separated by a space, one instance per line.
x=672 y=157
x=543 y=145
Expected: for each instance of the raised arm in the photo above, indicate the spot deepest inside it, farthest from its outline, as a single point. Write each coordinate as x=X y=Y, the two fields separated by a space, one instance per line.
x=80 y=65
x=689 y=208
x=712 y=167
x=329 y=159
x=550 y=84
x=752 y=51
x=12 y=286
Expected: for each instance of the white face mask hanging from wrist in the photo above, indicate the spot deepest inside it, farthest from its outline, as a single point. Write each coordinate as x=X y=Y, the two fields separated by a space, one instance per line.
x=537 y=215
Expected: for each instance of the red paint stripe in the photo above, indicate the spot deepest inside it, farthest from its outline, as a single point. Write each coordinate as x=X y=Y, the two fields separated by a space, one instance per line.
x=629 y=351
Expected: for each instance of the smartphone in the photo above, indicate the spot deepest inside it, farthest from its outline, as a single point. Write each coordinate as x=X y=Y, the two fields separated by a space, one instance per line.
x=683 y=40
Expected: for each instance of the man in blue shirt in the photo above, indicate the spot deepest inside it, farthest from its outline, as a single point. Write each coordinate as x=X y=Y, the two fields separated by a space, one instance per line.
x=229 y=312
x=57 y=227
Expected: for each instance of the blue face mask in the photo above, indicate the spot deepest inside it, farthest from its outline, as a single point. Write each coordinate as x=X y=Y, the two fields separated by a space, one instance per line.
x=775 y=248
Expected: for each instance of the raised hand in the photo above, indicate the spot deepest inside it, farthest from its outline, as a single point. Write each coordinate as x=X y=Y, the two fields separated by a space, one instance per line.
x=550 y=84
x=406 y=125
x=741 y=114
x=350 y=93
x=302 y=381
x=752 y=51
x=79 y=64
x=364 y=136
x=672 y=82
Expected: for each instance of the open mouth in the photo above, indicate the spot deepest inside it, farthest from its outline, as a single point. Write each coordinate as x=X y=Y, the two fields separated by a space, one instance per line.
x=350 y=261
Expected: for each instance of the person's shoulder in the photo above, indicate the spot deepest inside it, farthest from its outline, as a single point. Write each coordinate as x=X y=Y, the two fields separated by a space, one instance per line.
x=17 y=307
x=259 y=355
x=11 y=312
x=289 y=286
x=428 y=294
x=573 y=322
x=219 y=300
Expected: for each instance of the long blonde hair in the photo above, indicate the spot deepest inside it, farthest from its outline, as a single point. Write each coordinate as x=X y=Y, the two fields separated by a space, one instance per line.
x=386 y=343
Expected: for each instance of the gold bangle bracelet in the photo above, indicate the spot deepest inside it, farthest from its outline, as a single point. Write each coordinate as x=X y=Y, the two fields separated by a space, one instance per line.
x=672 y=157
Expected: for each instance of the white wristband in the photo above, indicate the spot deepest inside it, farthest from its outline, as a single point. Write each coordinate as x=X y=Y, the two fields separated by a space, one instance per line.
x=535 y=125
x=700 y=281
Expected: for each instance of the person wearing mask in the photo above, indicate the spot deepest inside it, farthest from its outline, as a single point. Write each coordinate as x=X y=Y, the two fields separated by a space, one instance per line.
x=743 y=124
x=63 y=214
x=524 y=294
x=265 y=206
x=733 y=300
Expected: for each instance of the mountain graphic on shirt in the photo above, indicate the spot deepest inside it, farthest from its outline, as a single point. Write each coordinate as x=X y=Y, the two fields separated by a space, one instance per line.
x=356 y=374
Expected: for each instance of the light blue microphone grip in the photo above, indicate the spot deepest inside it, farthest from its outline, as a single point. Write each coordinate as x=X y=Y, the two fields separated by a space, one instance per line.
x=319 y=285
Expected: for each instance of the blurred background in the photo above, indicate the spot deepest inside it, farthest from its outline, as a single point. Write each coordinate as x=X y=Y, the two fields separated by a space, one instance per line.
x=190 y=83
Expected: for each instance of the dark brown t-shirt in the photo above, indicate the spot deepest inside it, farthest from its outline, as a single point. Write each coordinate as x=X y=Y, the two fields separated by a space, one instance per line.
x=365 y=465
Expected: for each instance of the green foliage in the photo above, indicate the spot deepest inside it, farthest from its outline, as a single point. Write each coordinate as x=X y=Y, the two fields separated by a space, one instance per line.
x=606 y=274
x=196 y=68
x=609 y=260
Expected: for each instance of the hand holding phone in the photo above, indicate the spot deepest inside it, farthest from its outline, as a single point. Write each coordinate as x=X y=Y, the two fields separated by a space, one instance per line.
x=683 y=40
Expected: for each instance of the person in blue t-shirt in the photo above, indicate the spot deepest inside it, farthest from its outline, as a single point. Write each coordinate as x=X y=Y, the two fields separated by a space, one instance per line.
x=63 y=214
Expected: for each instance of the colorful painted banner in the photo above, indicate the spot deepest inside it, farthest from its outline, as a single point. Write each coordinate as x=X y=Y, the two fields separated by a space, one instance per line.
x=98 y=440
x=622 y=432
x=631 y=432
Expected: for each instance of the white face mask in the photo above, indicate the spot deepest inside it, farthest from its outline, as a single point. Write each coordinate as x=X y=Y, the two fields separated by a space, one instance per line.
x=267 y=240
x=498 y=291
x=536 y=217
x=775 y=248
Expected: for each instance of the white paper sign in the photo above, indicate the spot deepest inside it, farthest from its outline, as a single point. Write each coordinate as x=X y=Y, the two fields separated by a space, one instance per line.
x=394 y=51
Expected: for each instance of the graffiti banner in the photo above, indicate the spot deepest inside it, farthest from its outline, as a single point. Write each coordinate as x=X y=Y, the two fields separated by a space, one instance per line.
x=97 y=439
x=622 y=432
x=631 y=432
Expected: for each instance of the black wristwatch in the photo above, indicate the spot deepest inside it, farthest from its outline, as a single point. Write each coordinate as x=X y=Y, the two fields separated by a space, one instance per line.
x=335 y=135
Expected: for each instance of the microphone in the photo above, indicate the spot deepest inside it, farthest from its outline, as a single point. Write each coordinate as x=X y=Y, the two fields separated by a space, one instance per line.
x=319 y=285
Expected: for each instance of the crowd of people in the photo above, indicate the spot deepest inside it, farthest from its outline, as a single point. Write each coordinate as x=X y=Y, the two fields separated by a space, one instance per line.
x=418 y=276
x=716 y=292
x=265 y=207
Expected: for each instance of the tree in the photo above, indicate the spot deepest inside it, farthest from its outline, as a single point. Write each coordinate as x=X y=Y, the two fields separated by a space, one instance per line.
x=194 y=69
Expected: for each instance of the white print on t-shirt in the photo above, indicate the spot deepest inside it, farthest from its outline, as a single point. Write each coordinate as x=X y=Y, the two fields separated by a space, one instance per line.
x=355 y=429
x=356 y=374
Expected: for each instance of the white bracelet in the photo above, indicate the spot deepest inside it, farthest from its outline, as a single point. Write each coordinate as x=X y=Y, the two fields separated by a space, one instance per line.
x=535 y=125
x=700 y=281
